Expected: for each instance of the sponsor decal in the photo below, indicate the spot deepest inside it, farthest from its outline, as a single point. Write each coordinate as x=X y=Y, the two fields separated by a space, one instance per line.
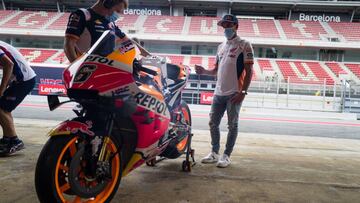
x=75 y=127
x=233 y=52
x=49 y=86
x=84 y=73
x=49 y=81
x=121 y=91
x=144 y=12
x=206 y=97
x=109 y=62
x=45 y=89
x=151 y=103
x=99 y=59
x=74 y=20
x=126 y=46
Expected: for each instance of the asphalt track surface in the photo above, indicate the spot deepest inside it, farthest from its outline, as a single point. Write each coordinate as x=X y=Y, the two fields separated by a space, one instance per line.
x=250 y=122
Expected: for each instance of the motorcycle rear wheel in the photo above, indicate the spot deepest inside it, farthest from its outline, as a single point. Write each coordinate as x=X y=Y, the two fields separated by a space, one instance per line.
x=176 y=149
x=52 y=169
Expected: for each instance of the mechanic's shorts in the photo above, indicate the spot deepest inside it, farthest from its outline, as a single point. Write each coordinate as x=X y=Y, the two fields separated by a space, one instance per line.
x=15 y=94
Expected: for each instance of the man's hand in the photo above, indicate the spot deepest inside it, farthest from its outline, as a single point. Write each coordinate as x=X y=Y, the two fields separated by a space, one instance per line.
x=238 y=98
x=199 y=70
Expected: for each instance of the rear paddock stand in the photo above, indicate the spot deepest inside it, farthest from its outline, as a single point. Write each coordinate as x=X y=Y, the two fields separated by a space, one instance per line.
x=187 y=164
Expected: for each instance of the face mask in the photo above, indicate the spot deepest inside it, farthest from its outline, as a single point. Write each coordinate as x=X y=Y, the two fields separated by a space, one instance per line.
x=114 y=16
x=229 y=33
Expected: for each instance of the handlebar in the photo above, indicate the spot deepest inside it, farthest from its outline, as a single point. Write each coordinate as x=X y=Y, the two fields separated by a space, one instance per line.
x=139 y=67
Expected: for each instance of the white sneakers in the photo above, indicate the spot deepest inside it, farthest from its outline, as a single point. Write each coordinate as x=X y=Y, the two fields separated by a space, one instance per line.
x=213 y=157
x=210 y=158
x=224 y=161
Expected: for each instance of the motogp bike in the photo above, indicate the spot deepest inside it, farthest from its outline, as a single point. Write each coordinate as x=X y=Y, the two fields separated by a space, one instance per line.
x=129 y=112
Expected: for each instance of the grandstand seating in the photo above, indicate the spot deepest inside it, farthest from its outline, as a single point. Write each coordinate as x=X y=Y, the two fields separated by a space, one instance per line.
x=351 y=31
x=127 y=22
x=267 y=28
x=265 y=65
x=355 y=68
x=60 y=59
x=38 y=56
x=260 y=28
x=60 y=23
x=205 y=26
x=5 y=14
x=164 y=25
x=29 y=20
x=196 y=60
x=335 y=68
x=302 y=30
x=175 y=59
x=320 y=73
x=306 y=72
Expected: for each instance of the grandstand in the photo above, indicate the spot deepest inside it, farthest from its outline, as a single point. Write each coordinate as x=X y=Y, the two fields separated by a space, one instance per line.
x=302 y=71
x=36 y=22
x=305 y=42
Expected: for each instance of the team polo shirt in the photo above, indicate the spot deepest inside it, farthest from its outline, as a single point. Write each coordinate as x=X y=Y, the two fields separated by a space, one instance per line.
x=87 y=26
x=232 y=56
x=21 y=69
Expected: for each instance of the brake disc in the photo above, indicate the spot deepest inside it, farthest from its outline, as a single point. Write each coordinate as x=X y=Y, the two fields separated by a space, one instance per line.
x=81 y=185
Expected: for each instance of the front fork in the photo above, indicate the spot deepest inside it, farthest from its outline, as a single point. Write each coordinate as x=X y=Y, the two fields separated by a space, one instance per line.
x=100 y=158
x=105 y=155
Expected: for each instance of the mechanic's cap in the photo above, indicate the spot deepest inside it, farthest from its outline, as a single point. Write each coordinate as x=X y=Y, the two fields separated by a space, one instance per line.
x=228 y=18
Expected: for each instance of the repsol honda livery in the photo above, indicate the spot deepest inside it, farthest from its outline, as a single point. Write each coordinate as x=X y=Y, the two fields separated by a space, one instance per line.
x=129 y=112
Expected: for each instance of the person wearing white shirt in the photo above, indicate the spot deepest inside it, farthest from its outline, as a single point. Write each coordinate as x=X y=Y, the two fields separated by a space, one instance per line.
x=18 y=80
x=234 y=69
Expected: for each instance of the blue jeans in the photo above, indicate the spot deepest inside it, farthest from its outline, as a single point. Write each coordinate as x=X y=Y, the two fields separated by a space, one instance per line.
x=219 y=105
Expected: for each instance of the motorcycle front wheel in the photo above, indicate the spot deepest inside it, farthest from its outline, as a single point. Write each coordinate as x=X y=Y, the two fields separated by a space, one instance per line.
x=53 y=176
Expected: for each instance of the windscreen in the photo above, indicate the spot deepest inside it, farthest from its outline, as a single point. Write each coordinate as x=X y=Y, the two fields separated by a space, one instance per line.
x=104 y=46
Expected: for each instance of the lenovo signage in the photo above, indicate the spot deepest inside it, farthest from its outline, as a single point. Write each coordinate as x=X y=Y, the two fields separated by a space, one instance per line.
x=49 y=85
x=148 y=11
x=321 y=17
x=45 y=89
x=206 y=97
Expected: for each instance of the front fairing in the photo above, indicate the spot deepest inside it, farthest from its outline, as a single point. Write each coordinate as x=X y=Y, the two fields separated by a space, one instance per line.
x=108 y=65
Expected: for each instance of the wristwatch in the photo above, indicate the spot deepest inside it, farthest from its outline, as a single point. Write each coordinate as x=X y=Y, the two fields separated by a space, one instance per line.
x=244 y=92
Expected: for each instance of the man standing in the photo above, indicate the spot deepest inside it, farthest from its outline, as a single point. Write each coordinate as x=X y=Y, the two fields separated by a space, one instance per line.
x=86 y=26
x=17 y=81
x=234 y=61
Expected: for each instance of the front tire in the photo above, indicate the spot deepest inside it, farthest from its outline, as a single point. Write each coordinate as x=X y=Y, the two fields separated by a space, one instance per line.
x=52 y=172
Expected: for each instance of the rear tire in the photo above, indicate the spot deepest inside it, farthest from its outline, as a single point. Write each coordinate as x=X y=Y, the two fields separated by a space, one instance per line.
x=177 y=148
x=49 y=174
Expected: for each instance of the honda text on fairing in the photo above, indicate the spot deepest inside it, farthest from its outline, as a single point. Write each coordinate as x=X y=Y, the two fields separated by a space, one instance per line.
x=129 y=112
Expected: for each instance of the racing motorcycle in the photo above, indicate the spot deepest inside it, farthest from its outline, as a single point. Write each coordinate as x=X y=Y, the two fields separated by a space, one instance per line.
x=129 y=112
